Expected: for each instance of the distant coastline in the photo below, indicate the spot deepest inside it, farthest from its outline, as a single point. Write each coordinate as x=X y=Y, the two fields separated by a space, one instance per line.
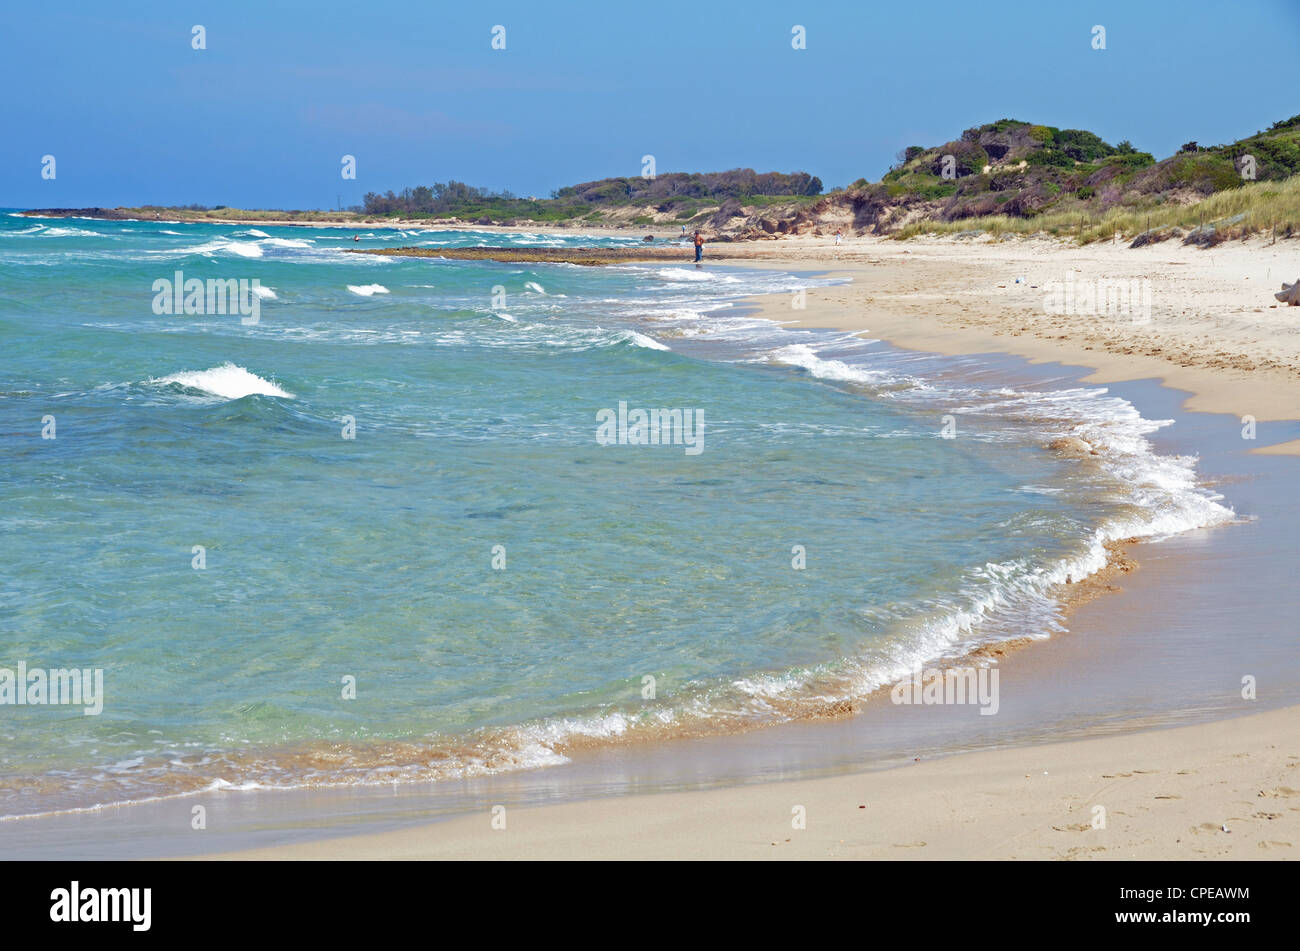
x=1004 y=177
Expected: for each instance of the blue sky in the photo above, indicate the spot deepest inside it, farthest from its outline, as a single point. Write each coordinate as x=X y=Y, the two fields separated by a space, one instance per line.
x=262 y=117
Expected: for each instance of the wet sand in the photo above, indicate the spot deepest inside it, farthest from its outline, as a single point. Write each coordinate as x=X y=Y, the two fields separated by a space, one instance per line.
x=1224 y=790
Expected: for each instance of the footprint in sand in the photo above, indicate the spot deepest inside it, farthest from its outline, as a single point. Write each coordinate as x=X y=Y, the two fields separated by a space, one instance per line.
x=1280 y=792
x=1274 y=845
x=909 y=845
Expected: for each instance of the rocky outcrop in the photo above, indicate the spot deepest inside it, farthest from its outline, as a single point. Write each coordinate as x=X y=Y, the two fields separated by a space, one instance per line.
x=106 y=214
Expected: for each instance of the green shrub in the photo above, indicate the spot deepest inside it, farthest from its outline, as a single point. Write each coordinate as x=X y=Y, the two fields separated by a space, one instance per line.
x=1203 y=172
x=1081 y=145
x=1131 y=160
x=1052 y=157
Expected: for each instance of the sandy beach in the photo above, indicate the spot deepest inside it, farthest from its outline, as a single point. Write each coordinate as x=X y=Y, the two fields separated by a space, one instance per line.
x=1226 y=789
x=772 y=433
x=1221 y=789
x=1214 y=328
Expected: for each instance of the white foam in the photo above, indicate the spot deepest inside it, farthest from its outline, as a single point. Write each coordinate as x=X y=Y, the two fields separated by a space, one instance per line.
x=534 y=287
x=996 y=601
x=286 y=242
x=265 y=293
x=368 y=290
x=678 y=274
x=228 y=381
x=802 y=355
x=252 y=233
x=241 y=249
x=641 y=340
x=70 y=233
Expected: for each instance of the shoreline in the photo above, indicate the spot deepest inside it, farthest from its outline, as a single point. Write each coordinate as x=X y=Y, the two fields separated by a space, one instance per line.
x=960 y=299
x=724 y=823
x=1191 y=792
x=267 y=803
x=951 y=308
x=836 y=307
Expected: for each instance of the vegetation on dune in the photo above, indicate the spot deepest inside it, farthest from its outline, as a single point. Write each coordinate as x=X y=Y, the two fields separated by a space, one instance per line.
x=1254 y=208
x=1071 y=182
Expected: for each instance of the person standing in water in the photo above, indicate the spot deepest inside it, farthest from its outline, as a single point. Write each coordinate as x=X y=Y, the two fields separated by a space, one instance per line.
x=699 y=247
x=838 y=235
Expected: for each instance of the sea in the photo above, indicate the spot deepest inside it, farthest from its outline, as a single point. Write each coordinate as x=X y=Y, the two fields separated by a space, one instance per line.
x=364 y=520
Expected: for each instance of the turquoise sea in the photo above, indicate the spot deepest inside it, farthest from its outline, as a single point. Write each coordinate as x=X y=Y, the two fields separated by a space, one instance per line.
x=374 y=536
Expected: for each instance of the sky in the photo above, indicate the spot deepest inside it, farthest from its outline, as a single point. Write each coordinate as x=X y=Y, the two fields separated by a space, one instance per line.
x=262 y=117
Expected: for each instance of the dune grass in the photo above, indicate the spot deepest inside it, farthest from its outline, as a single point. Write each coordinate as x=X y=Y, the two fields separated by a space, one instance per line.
x=1254 y=208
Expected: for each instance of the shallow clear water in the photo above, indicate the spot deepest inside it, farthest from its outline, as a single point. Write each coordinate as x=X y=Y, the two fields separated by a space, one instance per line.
x=498 y=582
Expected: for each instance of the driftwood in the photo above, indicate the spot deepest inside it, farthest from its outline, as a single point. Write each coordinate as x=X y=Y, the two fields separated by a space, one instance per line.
x=1290 y=294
